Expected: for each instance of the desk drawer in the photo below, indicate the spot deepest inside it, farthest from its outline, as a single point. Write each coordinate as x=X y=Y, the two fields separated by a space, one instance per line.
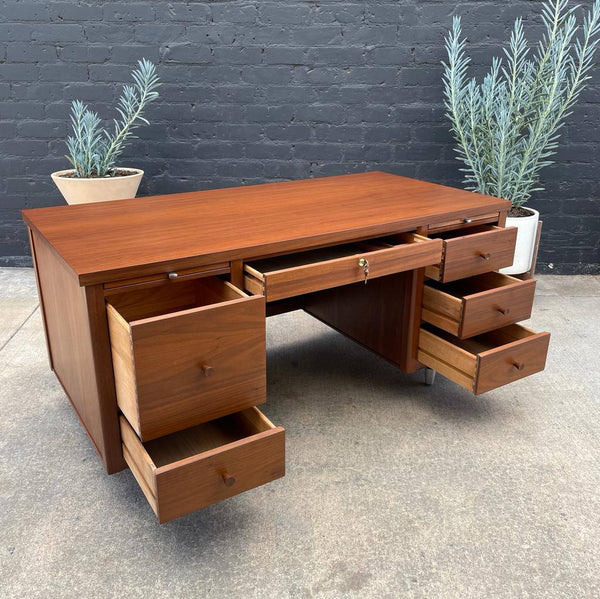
x=186 y=353
x=188 y=470
x=479 y=304
x=487 y=361
x=325 y=268
x=473 y=251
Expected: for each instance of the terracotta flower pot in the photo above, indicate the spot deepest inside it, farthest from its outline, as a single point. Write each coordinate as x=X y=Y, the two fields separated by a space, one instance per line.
x=84 y=191
x=525 y=246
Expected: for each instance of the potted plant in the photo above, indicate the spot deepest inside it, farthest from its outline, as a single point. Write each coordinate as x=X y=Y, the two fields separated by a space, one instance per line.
x=93 y=151
x=507 y=126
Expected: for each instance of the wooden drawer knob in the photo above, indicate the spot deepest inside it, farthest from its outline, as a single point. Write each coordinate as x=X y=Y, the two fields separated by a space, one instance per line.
x=207 y=370
x=228 y=479
x=504 y=311
x=519 y=365
x=484 y=255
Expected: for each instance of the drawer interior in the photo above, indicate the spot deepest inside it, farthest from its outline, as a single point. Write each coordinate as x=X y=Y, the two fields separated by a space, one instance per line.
x=315 y=256
x=476 y=284
x=174 y=297
x=486 y=341
x=190 y=469
x=204 y=437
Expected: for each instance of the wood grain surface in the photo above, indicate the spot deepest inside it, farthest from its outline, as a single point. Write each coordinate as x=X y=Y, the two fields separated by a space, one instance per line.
x=77 y=335
x=487 y=361
x=178 y=369
x=305 y=273
x=109 y=241
x=187 y=471
x=497 y=307
x=475 y=251
x=383 y=315
x=472 y=306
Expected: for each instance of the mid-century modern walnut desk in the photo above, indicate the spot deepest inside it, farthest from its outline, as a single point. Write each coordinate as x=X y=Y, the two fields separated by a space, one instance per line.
x=154 y=311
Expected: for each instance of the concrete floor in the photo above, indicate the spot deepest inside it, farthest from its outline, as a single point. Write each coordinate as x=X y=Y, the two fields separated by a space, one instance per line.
x=393 y=489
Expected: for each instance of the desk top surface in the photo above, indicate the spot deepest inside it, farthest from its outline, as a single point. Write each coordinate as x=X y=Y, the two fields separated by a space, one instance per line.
x=113 y=240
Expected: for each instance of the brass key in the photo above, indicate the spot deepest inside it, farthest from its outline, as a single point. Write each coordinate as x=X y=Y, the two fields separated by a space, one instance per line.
x=364 y=264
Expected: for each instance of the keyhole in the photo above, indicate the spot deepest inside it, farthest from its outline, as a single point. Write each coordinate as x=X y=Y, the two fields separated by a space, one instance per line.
x=364 y=264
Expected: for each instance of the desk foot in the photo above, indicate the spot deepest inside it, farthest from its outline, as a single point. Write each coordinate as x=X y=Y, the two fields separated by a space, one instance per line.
x=429 y=376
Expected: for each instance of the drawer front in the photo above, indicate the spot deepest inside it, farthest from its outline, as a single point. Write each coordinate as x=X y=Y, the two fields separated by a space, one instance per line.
x=496 y=308
x=181 y=369
x=512 y=362
x=469 y=314
x=290 y=282
x=179 y=485
x=486 y=362
x=470 y=255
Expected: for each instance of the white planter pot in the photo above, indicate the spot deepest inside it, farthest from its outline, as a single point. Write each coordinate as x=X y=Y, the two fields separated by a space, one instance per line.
x=84 y=191
x=526 y=234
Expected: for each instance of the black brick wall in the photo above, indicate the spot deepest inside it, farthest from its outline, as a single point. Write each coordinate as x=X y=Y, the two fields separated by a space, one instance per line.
x=267 y=91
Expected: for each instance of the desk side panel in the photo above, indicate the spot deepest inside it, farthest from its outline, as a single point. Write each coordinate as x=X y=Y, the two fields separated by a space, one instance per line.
x=77 y=336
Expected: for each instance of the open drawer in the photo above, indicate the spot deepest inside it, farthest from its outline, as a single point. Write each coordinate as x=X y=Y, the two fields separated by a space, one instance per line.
x=473 y=251
x=325 y=268
x=185 y=353
x=478 y=304
x=188 y=470
x=487 y=361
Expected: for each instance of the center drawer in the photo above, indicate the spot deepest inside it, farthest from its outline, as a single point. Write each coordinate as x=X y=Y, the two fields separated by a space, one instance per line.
x=188 y=470
x=473 y=251
x=478 y=304
x=487 y=361
x=185 y=353
x=304 y=272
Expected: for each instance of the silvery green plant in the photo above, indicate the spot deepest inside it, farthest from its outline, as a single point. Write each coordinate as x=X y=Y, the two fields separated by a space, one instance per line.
x=93 y=151
x=507 y=127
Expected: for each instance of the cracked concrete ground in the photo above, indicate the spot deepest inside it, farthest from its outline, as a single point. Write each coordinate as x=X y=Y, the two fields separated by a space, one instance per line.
x=393 y=489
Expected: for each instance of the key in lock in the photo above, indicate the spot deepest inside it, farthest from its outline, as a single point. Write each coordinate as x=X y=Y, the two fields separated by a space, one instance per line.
x=364 y=264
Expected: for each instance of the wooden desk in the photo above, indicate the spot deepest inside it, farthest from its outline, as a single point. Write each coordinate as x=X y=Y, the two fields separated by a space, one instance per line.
x=154 y=311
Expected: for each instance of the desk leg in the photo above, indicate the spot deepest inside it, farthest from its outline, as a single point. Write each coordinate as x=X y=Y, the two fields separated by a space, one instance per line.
x=429 y=374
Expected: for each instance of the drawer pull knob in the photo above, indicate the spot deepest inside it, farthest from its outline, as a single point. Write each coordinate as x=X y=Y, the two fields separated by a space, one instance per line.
x=228 y=479
x=173 y=275
x=467 y=221
x=207 y=370
x=484 y=255
x=519 y=365
x=505 y=311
